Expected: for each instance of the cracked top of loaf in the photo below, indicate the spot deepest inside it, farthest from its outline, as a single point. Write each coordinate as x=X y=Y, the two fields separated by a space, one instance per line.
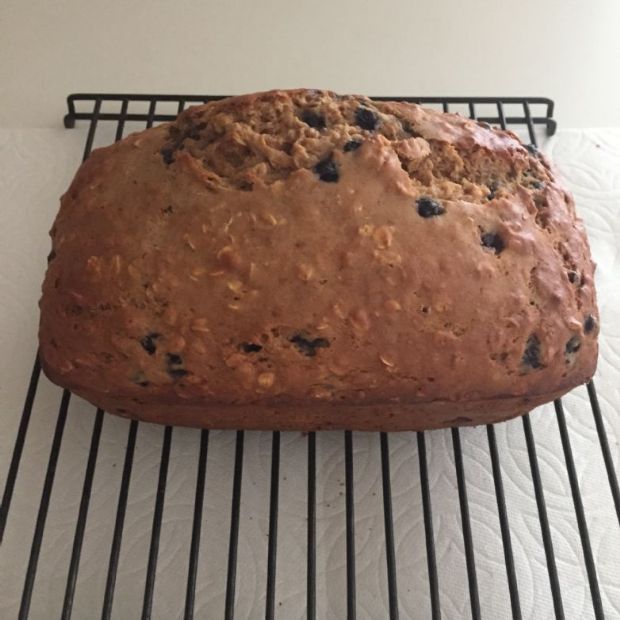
x=301 y=246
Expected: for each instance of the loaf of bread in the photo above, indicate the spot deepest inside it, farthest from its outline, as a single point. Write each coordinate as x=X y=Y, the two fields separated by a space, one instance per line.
x=303 y=260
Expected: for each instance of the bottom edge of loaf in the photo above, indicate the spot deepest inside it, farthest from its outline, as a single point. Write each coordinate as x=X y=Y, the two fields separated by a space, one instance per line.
x=314 y=415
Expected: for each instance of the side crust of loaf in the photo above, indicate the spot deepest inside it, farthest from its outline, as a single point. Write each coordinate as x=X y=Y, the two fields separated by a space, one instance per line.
x=316 y=416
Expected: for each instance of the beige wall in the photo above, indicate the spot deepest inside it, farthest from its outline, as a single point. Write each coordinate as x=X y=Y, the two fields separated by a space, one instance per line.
x=564 y=49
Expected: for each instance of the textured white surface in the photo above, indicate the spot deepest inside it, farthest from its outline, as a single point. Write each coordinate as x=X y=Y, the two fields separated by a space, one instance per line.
x=36 y=167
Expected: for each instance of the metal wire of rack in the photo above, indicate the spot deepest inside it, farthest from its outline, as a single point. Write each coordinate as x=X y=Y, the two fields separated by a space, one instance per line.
x=88 y=107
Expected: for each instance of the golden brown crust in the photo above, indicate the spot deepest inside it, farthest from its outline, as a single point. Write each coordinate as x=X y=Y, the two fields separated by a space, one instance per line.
x=296 y=252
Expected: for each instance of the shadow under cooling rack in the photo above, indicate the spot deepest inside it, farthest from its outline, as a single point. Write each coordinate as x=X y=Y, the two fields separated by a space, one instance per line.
x=288 y=525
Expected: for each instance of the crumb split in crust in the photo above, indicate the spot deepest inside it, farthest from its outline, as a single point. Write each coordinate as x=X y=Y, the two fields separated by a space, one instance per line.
x=295 y=249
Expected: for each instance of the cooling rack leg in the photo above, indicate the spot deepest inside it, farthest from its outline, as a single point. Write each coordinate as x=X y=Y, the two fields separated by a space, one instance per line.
x=273 y=526
x=552 y=570
x=18 y=448
x=467 y=537
x=552 y=126
x=579 y=511
x=190 y=595
x=229 y=610
x=151 y=570
x=120 y=127
x=117 y=537
x=504 y=525
x=82 y=514
x=389 y=527
x=350 y=523
x=311 y=541
x=433 y=580
x=92 y=129
x=602 y=437
x=31 y=571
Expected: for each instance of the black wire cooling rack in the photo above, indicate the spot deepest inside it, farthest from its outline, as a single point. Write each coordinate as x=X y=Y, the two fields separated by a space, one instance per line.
x=527 y=116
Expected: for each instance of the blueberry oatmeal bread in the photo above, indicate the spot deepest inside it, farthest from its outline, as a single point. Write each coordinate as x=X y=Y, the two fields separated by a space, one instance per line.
x=303 y=260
